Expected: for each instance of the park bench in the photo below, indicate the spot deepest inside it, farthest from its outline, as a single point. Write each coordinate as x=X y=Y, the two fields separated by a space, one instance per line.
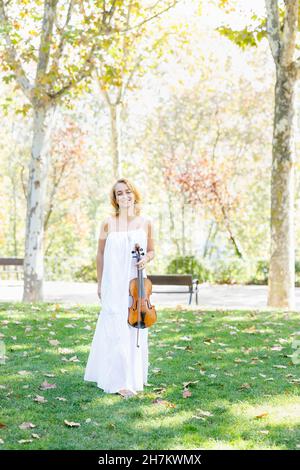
x=11 y=266
x=176 y=280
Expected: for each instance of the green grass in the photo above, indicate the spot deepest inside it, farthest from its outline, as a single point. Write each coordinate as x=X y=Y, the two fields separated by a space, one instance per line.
x=228 y=353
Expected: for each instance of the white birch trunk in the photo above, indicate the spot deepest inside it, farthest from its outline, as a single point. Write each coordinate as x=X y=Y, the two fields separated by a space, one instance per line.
x=282 y=38
x=282 y=257
x=37 y=185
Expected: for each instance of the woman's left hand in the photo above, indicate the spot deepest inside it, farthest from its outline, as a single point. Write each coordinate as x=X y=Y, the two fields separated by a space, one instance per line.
x=142 y=263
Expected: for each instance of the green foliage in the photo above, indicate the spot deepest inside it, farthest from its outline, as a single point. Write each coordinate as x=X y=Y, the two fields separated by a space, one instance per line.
x=262 y=272
x=237 y=271
x=87 y=272
x=232 y=271
x=245 y=37
x=188 y=265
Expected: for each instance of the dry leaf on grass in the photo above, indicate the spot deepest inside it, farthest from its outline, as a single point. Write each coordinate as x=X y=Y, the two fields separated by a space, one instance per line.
x=261 y=415
x=46 y=386
x=160 y=401
x=54 y=342
x=71 y=424
x=186 y=393
x=40 y=399
x=27 y=426
x=244 y=386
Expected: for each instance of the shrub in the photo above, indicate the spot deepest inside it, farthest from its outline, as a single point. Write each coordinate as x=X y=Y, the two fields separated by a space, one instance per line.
x=87 y=272
x=232 y=271
x=189 y=265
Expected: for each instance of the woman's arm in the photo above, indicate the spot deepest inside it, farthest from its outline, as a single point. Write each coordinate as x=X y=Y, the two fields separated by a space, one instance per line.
x=100 y=252
x=150 y=242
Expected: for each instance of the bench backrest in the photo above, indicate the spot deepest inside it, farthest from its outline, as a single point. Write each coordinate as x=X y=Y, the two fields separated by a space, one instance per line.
x=171 y=279
x=11 y=261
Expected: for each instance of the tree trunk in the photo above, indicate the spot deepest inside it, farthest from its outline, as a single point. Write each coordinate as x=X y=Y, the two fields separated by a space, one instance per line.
x=37 y=185
x=282 y=256
x=115 y=122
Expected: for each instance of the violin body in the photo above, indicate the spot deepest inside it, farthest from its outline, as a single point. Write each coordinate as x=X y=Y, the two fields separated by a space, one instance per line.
x=141 y=314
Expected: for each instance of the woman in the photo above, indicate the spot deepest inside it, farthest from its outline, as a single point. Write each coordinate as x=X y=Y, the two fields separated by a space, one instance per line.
x=115 y=362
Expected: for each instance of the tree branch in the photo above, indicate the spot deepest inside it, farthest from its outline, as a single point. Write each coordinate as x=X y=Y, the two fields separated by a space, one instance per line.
x=46 y=36
x=151 y=17
x=58 y=53
x=290 y=28
x=273 y=28
x=84 y=72
x=12 y=59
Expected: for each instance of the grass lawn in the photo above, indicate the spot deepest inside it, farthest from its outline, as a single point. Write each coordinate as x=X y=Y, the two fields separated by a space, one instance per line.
x=243 y=391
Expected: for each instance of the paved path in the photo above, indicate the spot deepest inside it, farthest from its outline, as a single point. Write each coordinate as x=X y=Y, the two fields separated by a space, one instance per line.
x=210 y=295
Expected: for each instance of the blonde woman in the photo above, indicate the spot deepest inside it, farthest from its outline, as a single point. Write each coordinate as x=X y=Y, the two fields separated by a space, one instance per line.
x=114 y=361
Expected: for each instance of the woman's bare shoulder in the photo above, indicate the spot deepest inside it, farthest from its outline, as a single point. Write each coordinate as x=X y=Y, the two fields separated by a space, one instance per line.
x=104 y=227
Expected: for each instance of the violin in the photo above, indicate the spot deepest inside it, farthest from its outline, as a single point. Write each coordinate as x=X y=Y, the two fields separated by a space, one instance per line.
x=141 y=314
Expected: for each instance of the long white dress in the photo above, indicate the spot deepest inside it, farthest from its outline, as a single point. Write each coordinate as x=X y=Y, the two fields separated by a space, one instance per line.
x=115 y=362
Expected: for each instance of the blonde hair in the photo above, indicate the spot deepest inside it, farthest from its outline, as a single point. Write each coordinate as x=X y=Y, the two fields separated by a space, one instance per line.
x=132 y=187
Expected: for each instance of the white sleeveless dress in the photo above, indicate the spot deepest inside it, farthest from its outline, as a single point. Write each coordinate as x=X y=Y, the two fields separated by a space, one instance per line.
x=115 y=362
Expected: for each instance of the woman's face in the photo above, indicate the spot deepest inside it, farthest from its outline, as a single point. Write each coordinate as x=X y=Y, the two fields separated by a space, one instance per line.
x=124 y=196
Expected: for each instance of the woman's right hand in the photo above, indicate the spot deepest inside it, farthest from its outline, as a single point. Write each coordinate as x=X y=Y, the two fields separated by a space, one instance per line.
x=99 y=291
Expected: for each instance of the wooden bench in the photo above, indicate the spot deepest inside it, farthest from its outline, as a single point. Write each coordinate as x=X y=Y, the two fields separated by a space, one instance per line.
x=176 y=280
x=6 y=263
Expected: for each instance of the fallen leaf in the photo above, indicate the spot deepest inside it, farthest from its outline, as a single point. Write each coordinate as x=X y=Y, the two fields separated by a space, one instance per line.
x=40 y=399
x=208 y=341
x=46 y=386
x=72 y=359
x=186 y=384
x=159 y=401
x=65 y=350
x=27 y=426
x=244 y=386
x=186 y=393
x=54 y=342
x=261 y=415
x=250 y=330
x=71 y=424
x=186 y=338
x=24 y=372
x=201 y=414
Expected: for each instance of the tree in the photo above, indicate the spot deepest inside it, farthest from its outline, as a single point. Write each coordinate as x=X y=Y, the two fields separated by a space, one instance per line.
x=133 y=54
x=282 y=39
x=49 y=49
x=280 y=27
